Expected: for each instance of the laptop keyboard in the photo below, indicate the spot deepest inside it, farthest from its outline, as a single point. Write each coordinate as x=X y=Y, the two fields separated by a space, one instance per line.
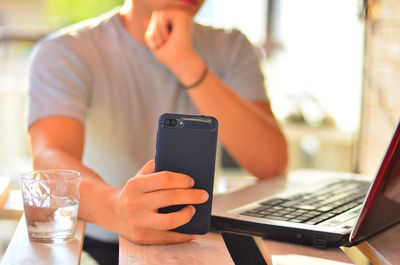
x=313 y=207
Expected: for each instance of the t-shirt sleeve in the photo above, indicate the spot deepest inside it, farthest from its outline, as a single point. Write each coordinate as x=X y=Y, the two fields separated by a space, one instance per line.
x=242 y=70
x=59 y=81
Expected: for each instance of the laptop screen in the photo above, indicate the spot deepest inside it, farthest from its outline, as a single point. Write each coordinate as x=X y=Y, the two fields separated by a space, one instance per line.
x=381 y=208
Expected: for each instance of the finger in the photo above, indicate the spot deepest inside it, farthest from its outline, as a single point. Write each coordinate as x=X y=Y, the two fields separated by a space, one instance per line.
x=157 y=237
x=180 y=22
x=164 y=198
x=162 y=27
x=148 y=168
x=163 y=180
x=149 y=34
x=168 y=221
x=154 y=34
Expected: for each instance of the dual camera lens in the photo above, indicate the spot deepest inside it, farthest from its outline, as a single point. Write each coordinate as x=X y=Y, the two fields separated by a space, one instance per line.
x=170 y=122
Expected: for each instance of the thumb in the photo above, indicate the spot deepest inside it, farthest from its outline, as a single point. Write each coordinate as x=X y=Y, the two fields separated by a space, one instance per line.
x=148 y=168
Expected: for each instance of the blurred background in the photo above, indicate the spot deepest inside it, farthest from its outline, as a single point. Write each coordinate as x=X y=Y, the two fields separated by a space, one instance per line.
x=311 y=53
x=332 y=71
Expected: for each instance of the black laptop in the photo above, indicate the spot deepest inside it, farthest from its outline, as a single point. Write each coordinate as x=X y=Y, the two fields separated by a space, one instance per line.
x=315 y=207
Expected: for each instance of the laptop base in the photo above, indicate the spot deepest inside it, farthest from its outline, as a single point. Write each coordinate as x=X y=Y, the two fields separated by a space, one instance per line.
x=279 y=233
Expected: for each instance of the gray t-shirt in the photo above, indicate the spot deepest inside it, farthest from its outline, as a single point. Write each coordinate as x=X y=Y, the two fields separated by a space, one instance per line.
x=97 y=73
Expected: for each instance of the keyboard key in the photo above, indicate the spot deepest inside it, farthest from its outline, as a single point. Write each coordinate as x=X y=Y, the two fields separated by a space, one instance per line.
x=295 y=220
x=265 y=212
x=252 y=214
x=289 y=216
x=299 y=211
x=290 y=203
x=327 y=208
x=339 y=210
x=273 y=201
x=277 y=218
x=276 y=214
x=262 y=208
x=303 y=218
x=306 y=207
x=326 y=216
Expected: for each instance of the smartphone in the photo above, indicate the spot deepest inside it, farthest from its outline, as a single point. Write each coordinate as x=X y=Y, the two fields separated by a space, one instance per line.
x=187 y=144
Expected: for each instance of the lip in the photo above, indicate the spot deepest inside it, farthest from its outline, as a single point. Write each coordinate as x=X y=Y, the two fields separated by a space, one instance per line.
x=188 y=2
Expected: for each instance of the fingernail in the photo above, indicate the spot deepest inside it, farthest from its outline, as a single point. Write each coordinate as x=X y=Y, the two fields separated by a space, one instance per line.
x=191 y=182
x=193 y=209
x=204 y=196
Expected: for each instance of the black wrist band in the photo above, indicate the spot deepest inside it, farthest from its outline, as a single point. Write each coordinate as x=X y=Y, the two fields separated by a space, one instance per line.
x=199 y=81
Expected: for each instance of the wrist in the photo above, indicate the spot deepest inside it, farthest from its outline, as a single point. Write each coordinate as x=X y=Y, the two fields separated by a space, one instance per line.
x=188 y=69
x=111 y=214
x=115 y=208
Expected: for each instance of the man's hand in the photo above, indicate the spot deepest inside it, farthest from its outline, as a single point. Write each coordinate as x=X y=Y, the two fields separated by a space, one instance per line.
x=169 y=36
x=138 y=202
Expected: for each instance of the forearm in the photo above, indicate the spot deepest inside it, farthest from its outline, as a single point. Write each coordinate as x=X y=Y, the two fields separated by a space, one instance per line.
x=251 y=136
x=96 y=196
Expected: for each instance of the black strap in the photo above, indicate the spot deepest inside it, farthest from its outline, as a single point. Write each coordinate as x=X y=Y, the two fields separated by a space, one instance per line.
x=199 y=81
x=243 y=249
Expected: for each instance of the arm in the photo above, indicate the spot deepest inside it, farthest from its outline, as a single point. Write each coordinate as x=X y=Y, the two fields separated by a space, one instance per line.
x=248 y=130
x=59 y=93
x=57 y=142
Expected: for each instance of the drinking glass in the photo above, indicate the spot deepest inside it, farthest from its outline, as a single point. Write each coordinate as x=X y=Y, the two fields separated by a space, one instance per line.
x=51 y=200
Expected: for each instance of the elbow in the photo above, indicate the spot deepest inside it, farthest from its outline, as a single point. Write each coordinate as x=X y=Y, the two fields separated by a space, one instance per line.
x=45 y=158
x=276 y=164
x=277 y=168
x=39 y=159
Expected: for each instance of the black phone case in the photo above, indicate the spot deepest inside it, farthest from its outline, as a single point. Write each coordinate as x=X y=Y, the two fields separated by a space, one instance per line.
x=190 y=149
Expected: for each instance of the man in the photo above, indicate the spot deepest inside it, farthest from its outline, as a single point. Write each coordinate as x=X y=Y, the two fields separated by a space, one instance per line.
x=98 y=88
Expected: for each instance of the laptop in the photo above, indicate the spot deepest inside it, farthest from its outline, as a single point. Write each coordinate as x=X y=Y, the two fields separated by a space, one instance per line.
x=319 y=208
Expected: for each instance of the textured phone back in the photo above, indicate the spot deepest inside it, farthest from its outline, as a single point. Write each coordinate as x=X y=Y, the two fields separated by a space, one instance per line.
x=190 y=149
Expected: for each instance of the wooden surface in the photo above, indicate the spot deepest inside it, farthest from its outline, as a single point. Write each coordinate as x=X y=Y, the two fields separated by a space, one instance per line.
x=4 y=190
x=207 y=249
x=383 y=248
x=286 y=253
x=22 y=251
x=210 y=249
x=13 y=207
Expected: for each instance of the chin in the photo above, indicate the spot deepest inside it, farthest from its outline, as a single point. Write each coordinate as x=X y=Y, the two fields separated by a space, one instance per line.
x=190 y=6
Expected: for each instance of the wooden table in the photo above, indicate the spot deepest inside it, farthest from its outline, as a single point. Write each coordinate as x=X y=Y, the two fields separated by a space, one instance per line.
x=13 y=207
x=23 y=251
x=4 y=190
x=382 y=249
x=210 y=249
x=207 y=249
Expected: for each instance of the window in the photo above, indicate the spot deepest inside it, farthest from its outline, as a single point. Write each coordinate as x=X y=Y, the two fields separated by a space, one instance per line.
x=317 y=53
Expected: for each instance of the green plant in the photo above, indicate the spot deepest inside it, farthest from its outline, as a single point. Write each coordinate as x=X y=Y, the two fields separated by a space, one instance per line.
x=71 y=11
